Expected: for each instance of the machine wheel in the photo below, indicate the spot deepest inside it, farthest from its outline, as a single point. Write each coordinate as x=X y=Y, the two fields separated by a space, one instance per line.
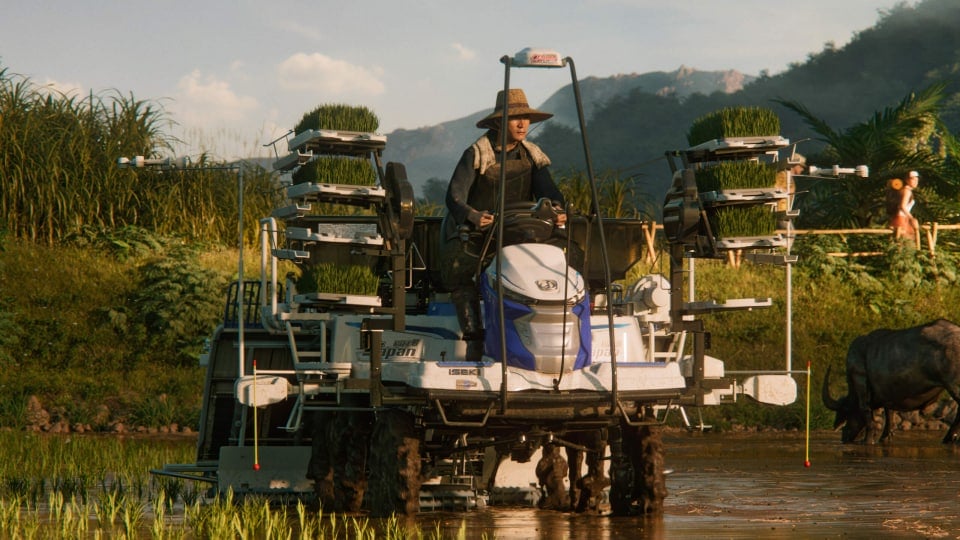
x=395 y=465
x=586 y=492
x=638 y=483
x=551 y=471
x=320 y=468
x=349 y=437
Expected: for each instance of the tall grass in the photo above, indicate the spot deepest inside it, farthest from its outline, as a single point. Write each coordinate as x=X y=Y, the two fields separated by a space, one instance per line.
x=59 y=174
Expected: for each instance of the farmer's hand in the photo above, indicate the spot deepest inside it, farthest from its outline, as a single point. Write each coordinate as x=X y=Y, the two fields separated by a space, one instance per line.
x=481 y=220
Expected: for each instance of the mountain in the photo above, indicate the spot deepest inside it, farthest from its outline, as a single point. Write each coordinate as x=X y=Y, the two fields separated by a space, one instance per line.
x=632 y=120
x=433 y=151
x=909 y=49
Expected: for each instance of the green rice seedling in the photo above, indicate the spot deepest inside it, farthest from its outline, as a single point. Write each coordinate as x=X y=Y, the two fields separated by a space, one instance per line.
x=192 y=496
x=253 y=513
x=339 y=117
x=55 y=505
x=168 y=490
x=275 y=524
x=18 y=486
x=160 y=502
x=107 y=508
x=332 y=527
x=306 y=522
x=69 y=522
x=10 y=515
x=734 y=122
x=354 y=171
x=736 y=221
x=328 y=278
x=360 y=527
x=392 y=528
x=728 y=175
x=132 y=516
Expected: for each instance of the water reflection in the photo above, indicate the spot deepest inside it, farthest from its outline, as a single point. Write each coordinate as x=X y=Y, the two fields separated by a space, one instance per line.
x=529 y=524
x=756 y=485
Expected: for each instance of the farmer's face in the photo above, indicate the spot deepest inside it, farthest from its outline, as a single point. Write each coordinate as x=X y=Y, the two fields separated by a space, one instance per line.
x=517 y=127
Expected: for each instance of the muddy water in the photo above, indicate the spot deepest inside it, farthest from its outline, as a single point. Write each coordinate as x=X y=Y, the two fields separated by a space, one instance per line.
x=756 y=486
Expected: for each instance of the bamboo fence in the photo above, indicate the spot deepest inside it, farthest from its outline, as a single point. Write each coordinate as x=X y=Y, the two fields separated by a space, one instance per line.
x=927 y=231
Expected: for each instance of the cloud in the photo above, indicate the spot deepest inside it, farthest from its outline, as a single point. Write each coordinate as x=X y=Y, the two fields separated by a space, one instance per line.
x=463 y=53
x=207 y=100
x=320 y=73
x=60 y=87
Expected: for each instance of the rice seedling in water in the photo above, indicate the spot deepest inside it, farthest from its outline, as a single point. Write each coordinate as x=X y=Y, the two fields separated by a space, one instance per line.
x=10 y=514
x=132 y=515
x=728 y=175
x=734 y=122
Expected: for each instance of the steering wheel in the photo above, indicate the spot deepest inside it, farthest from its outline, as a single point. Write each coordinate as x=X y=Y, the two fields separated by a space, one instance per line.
x=526 y=222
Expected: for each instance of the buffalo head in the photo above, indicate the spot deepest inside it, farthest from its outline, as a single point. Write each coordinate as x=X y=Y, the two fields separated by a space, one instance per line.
x=848 y=414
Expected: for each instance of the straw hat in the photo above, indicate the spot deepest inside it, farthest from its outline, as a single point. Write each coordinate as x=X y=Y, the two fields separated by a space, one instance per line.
x=516 y=106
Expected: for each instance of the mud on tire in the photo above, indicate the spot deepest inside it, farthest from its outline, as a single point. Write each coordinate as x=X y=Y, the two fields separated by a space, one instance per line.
x=638 y=483
x=349 y=437
x=395 y=467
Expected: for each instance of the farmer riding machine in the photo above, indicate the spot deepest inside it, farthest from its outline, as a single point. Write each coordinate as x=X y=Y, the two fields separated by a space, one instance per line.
x=348 y=378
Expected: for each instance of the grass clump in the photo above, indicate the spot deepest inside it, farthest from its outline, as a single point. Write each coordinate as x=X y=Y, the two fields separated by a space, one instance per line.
x=734 y=221
x=329 y=278
x=734 y=122
x=337 y=170
x=736 y=175
x=340 y=117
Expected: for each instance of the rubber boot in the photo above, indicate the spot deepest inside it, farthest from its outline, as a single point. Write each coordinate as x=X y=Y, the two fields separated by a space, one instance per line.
x=467 y=305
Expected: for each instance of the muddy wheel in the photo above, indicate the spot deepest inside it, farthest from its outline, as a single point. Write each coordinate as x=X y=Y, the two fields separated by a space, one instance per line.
x=638 y=483
x=349 y=436
x=551 y=471
x=394 y=465
x=586 y=492
x=320 y=468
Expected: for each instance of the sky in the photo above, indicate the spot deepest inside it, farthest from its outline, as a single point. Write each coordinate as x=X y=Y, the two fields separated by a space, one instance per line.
x=234 y=75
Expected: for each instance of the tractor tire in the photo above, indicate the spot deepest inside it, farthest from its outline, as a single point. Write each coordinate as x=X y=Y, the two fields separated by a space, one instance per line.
x=395 y=466
x=350 y=436
x=586 y=492
x=639 y=485
x=551 y=471
x=320 y=467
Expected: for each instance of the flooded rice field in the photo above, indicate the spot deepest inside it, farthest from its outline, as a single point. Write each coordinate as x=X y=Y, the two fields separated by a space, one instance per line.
x=756 y=486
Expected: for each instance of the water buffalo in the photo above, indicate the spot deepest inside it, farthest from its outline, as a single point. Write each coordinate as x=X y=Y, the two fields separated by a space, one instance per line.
x=897 y=370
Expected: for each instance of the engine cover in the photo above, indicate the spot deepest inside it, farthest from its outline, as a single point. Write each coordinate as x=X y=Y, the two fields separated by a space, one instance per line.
x=535 y=273
x=545 y=330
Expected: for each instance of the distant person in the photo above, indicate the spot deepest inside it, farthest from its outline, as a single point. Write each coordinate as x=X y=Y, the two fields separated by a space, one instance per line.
x=472 y=198
x=900 y=207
